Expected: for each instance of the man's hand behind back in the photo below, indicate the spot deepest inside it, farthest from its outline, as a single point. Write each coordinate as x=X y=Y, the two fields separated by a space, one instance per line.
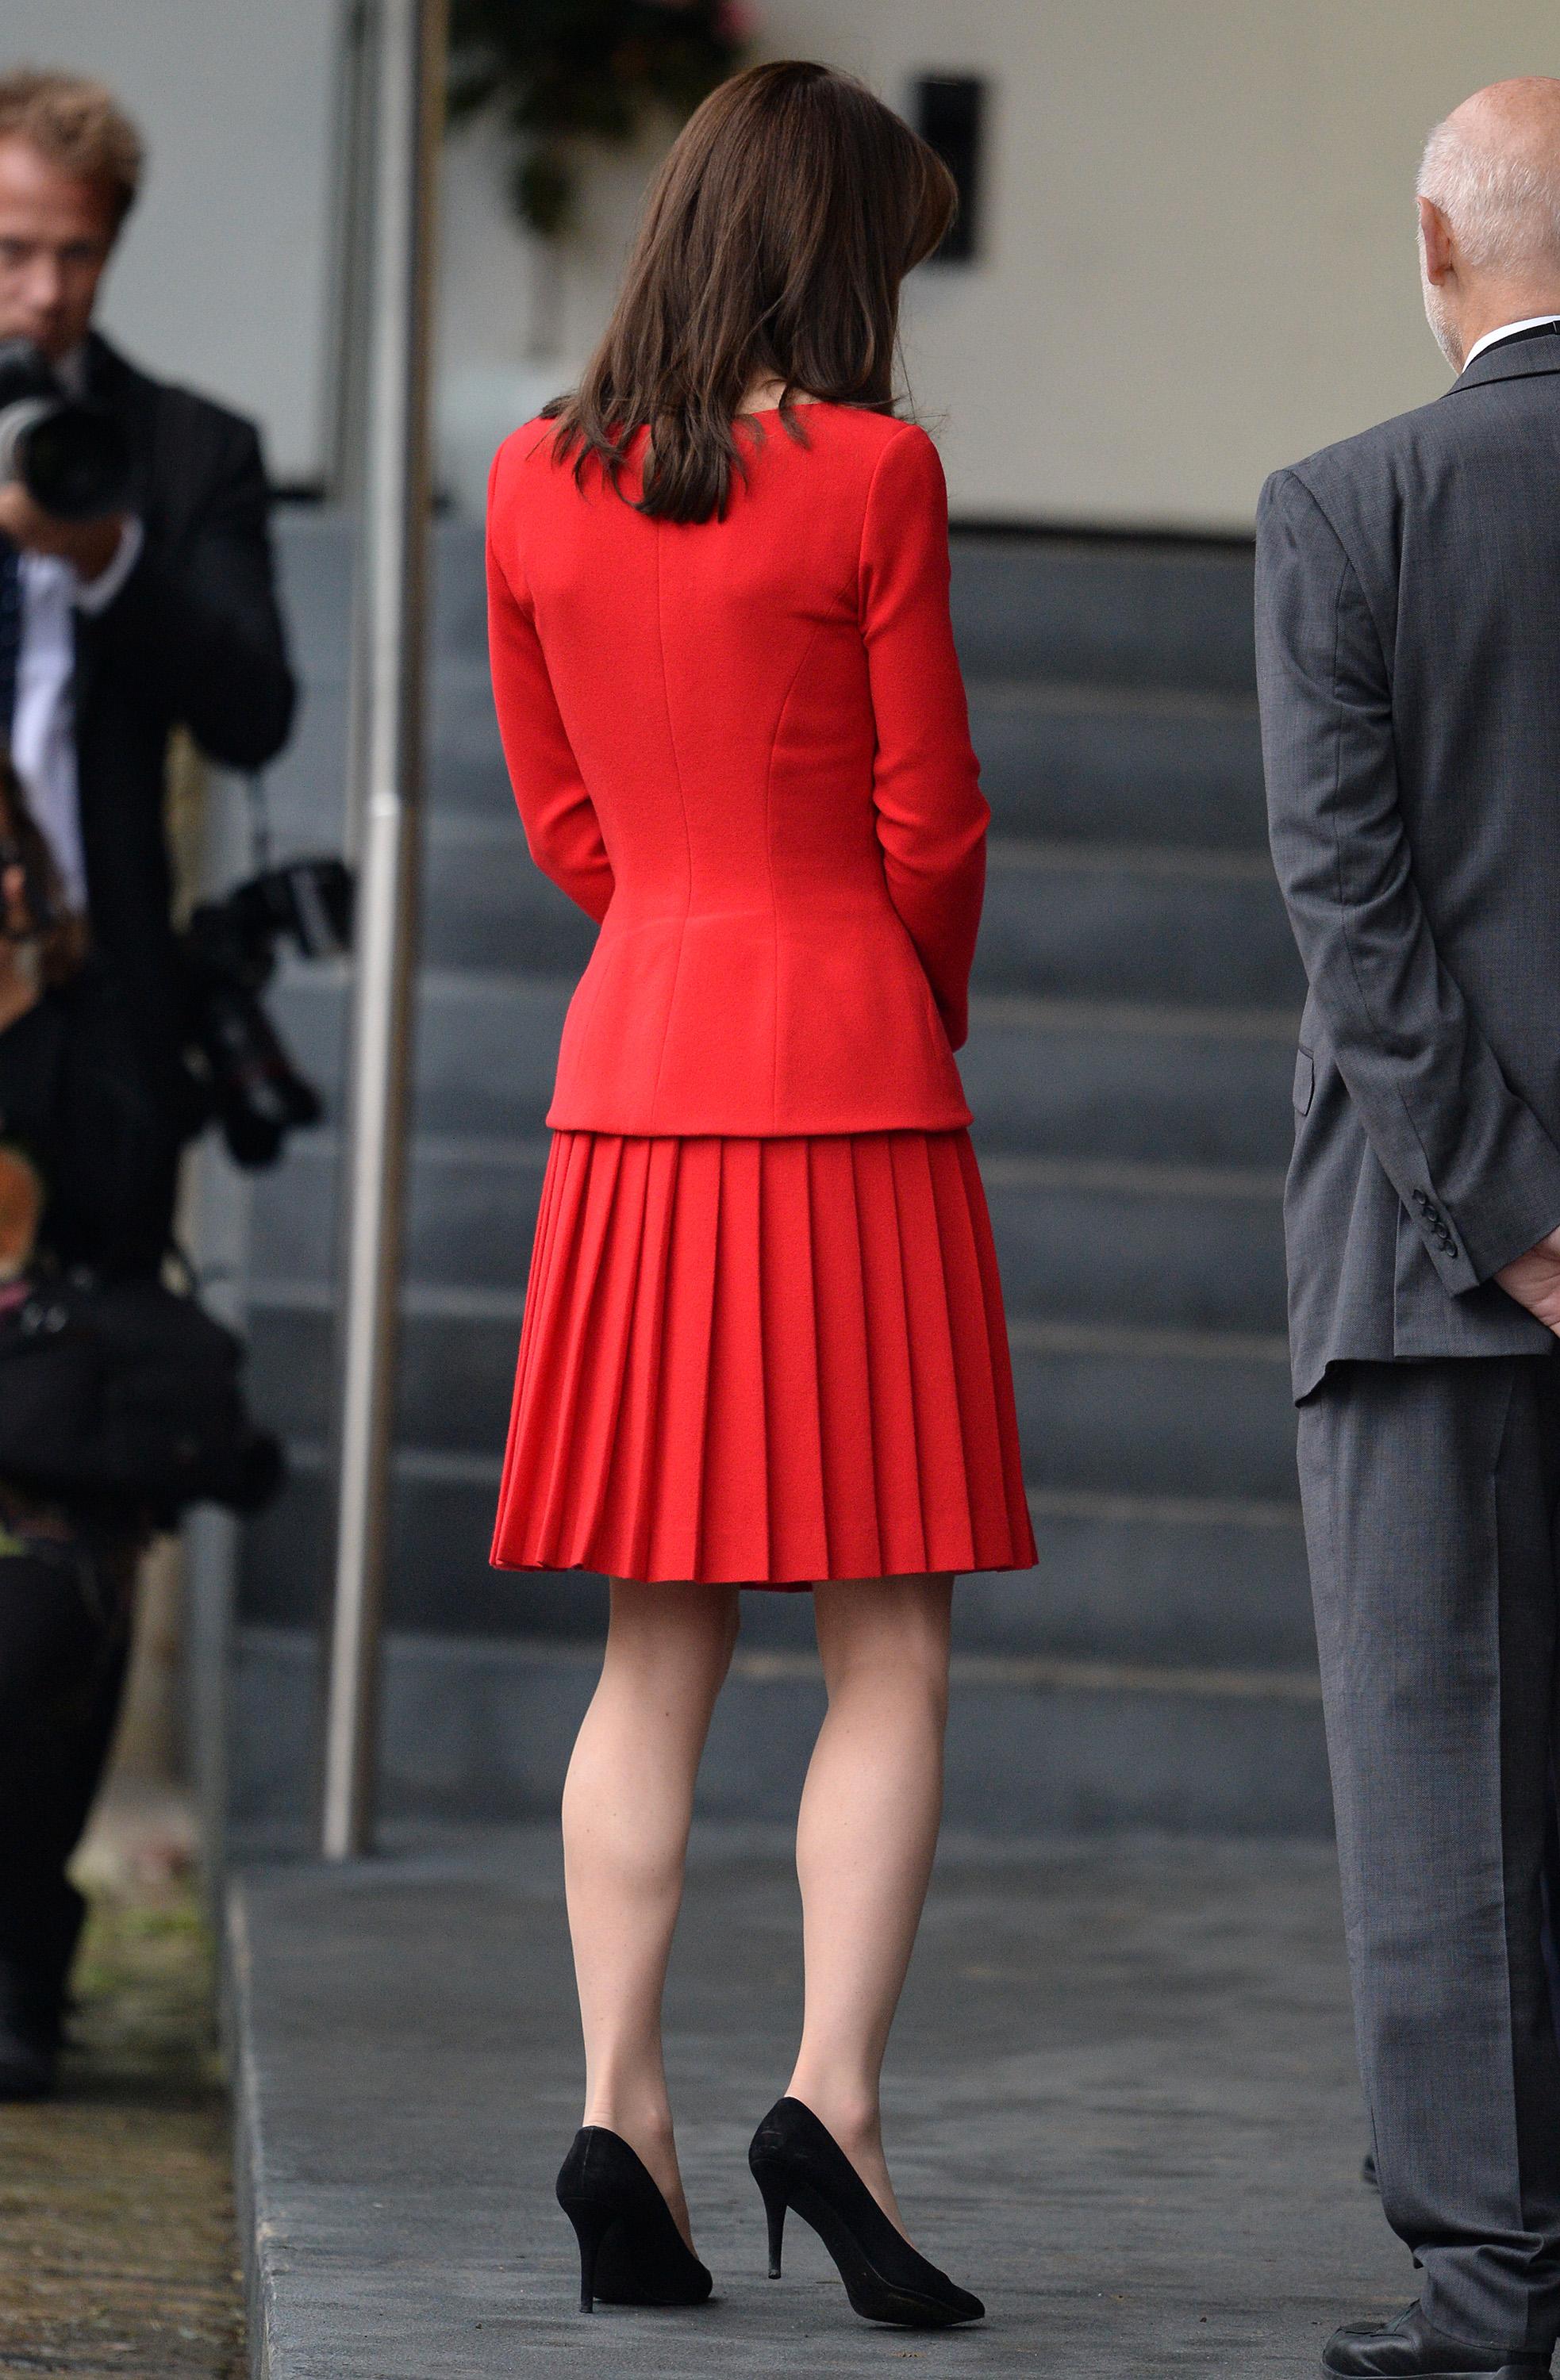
x=1534 y=1281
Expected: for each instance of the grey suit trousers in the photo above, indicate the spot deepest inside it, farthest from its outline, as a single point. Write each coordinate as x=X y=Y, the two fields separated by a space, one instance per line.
x=1431 y=1494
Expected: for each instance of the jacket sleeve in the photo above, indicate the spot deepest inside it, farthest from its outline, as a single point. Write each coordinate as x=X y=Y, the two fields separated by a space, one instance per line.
x=931 y=814
x=1474 y=1168
x=196 y=622
x=561 y=828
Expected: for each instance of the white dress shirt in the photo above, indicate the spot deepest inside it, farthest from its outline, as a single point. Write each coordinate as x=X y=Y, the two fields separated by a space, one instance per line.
x=43 y=722
x=1528 y=323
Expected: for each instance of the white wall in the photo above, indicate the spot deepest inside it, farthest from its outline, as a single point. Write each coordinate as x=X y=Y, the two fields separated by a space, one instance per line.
x=498 y=287
x=1202 y=258
x=1200 y=255
x=222 y=275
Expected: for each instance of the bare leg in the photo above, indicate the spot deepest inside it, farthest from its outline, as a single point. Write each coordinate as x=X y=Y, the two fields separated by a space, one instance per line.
x=865 y=1839
x=627 y=1803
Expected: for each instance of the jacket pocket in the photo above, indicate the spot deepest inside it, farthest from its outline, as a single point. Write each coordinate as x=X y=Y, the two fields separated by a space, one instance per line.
x=1304 y=1081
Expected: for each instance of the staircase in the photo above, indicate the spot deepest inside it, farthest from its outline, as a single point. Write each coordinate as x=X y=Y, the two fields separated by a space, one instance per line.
x=1128 y=1065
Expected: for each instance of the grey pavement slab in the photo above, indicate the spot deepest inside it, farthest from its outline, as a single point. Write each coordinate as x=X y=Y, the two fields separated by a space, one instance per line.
x=1122 y=2104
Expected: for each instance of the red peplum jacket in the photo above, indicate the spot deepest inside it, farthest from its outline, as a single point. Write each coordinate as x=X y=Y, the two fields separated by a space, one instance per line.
x=742 y=746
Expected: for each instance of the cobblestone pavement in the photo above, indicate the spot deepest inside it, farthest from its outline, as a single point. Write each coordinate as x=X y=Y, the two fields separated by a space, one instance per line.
x=118 y=2251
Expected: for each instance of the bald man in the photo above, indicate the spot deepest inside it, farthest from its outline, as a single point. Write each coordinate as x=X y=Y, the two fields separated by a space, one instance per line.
x=1408 y=648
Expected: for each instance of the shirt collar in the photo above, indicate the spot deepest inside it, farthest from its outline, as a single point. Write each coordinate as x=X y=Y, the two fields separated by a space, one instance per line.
x=72 y=371
x=1506 y=331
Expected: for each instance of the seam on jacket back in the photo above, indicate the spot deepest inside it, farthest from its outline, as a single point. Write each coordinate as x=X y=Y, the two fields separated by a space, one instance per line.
x=688 y=838
x=769 y=864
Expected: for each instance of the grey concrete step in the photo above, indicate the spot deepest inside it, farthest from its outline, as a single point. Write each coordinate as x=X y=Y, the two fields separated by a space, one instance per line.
x=1139 y=1245
x=1155 y=1412
x=1061 y=920
x=1078 y=763
x=1115 y=610
x=1100 y=921
x=1168 y=1580
x=1106 y=609
x=1080 y=1241
x=1118 y=611
x=1069 y=762
x=1111 y=686
x=1111 y=1080
x=481 y=1729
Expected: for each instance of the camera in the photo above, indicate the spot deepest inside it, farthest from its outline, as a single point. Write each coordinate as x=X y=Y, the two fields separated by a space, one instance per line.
x=73 y=458
x=229 y=950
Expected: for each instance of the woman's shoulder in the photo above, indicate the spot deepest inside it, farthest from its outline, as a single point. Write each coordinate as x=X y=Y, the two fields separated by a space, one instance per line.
x=856 y=446
x=861 y=430
x=526 y=450
x=874 y=449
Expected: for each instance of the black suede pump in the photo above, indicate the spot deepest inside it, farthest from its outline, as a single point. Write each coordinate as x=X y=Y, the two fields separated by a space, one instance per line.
x=630 y=2249
x=798 y=2162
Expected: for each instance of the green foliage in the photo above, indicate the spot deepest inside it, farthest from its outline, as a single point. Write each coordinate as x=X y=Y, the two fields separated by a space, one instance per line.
x=558 y=71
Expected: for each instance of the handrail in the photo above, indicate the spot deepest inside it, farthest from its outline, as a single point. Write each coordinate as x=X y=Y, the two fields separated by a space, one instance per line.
x=388 y=664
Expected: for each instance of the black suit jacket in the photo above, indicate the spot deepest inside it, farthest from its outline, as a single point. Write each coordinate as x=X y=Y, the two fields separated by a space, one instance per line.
x=194 y=638
x=1409 y=663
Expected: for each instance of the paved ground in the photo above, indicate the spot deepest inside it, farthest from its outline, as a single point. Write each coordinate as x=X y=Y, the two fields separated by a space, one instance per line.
x=117 y=2249
x=1123 y=2106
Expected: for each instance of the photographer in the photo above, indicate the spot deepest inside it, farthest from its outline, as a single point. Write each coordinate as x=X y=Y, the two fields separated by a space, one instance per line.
x=126 y=612
x=86 y=1157
x=159 y=613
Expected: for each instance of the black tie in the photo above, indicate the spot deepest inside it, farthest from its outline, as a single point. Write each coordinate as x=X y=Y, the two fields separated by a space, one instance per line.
x=10 y=634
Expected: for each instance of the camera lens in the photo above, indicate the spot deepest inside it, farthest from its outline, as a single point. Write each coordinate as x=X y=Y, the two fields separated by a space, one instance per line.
x=74 y=462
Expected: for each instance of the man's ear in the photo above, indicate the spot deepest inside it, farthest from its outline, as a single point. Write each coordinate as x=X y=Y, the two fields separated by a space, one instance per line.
x=1435 y=240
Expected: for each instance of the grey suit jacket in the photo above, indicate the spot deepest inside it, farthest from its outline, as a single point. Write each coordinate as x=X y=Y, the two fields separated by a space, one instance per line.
x=1409 y=666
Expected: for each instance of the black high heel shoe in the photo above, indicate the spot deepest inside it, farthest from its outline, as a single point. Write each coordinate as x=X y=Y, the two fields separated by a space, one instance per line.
x=630 y=2249
x=798 y=2162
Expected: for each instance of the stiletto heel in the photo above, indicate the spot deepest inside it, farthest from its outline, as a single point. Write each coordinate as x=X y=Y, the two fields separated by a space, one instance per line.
x=796 y=2162
x=630 y=2249
x=774 y=2215
x=591 y=2225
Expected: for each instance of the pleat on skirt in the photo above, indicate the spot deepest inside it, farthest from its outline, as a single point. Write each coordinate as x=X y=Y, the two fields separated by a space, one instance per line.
x=765 y=1362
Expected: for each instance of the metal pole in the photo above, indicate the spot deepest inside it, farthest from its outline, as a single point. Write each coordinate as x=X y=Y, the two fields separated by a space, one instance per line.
x=410 y=69
x=351 y=259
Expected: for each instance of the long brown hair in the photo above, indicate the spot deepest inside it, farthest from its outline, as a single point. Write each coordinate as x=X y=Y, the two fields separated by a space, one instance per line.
x=774 y=244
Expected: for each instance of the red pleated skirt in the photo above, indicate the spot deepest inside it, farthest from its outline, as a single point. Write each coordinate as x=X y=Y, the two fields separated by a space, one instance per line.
x=763 y=1362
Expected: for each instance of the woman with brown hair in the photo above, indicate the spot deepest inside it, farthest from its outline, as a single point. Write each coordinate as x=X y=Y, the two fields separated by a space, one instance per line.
x=763 y=1342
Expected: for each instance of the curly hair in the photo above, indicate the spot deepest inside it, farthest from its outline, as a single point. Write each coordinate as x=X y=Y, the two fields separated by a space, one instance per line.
x=79 y=124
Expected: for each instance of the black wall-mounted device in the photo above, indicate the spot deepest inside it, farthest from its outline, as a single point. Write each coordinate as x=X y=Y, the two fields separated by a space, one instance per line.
x=949 y=112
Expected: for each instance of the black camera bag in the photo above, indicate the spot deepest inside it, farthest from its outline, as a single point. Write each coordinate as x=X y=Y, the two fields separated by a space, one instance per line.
x=126 y=1389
